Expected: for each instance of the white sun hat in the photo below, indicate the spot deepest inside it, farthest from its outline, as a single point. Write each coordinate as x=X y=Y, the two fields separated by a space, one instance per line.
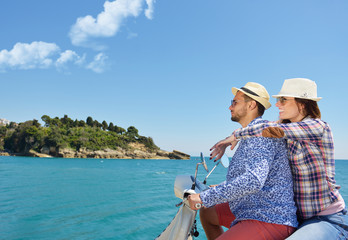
x=255 y=91
x=299 y=88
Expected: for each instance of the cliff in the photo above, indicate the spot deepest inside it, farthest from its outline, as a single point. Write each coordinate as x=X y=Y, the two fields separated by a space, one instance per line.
x=136 y=151
x=63 y=137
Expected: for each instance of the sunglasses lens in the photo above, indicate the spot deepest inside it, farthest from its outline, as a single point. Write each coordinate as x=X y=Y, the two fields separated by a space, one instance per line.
x=281 y=100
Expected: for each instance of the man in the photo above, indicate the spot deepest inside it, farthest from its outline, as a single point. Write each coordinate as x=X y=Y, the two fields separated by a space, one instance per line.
x=256 y=200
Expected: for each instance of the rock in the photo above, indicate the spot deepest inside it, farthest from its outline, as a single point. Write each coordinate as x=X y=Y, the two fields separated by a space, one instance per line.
x=135 y=151
x=181 y=154
x=53 y=151
x=162 y=153
x=4 y=154
x=36 y=154
x=66 y=153
x=45 y=150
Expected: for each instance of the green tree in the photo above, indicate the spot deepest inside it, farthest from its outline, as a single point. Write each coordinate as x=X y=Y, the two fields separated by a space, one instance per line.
x=66 y=121
x=47 y=120
x=104 y=125
x=97 y=124
x=3 y=130
x=120 y=130
x=56 y=122
x=64 y=132
x=34 y=138
x=148 y=142
x=132 y=132
x=12 y=125
x=111 y=127
x=89 y=121
x=81 y=123
x=36 y=123
x=26 y=136
x=54 y=138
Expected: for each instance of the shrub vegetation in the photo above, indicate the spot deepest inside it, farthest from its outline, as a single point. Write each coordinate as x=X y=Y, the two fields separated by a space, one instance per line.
x=67 y=133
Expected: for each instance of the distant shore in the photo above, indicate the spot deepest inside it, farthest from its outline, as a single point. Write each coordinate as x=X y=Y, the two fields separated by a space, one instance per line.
x=68 y=138
x=137 y=151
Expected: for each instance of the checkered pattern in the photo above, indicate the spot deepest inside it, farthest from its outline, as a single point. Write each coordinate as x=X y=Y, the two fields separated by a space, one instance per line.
x=311 y=153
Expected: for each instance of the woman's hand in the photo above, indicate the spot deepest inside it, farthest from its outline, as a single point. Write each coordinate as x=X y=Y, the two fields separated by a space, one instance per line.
x=218 y=150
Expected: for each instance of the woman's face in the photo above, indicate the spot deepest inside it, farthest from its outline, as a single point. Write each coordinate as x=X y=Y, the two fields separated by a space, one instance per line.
x=289 y=109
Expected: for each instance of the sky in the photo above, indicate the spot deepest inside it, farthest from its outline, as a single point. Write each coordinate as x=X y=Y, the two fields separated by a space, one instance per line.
x=167 y=67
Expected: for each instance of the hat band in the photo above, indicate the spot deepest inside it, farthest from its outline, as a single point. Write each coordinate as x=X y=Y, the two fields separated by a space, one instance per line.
x=249 y=91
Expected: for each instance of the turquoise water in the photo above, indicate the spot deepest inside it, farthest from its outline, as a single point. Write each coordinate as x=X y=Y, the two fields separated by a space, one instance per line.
x=96 y=199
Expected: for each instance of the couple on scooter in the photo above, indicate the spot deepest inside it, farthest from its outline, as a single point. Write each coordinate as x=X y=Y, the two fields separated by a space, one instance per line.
x=279 y=169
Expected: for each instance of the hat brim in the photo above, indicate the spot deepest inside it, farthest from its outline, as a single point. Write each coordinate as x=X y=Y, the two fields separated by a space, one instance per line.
x=285 y=95
x=260 y=100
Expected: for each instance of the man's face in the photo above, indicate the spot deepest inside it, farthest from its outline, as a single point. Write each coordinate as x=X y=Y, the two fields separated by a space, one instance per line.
x=238 y=107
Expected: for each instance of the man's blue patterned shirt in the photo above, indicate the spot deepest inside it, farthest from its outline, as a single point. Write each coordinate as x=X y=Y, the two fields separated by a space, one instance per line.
x=258 y=184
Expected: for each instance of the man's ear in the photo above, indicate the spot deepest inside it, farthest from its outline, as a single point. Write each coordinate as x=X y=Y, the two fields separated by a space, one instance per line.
x=252 y=105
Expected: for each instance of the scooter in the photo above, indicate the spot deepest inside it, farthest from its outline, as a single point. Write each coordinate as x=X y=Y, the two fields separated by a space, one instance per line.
x=183 y=226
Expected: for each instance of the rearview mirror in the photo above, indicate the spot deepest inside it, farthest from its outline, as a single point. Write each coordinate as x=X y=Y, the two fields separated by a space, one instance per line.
x=204 y=163
x=225 y=161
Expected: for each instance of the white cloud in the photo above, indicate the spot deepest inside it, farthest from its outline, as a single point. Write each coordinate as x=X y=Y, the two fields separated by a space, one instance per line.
x=40 y=55
x=69 y=56
x=99 y=63
x=67 y=59
x=132 y=35
x=108 y=22
x=28 y=56
x=150 y=8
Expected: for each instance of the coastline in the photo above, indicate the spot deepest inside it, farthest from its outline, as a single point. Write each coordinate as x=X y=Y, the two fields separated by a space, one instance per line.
x=66 y=138
x=136 y=151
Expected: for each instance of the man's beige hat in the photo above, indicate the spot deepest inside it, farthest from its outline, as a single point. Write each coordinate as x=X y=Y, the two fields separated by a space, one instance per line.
x=255 y=91
x=299 y=88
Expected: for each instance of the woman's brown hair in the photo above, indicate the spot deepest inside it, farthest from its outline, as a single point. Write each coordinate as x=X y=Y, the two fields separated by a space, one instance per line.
x=311 y=109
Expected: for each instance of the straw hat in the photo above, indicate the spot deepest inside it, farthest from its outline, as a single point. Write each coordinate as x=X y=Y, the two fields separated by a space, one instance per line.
x=255 y=91
x=299 y=88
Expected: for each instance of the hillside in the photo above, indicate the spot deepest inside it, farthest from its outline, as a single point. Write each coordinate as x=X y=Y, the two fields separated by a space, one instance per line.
x=67 y=138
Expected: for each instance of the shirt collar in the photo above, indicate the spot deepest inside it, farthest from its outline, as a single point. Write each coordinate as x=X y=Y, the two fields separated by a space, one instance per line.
x=307 y=118
x=256 y=121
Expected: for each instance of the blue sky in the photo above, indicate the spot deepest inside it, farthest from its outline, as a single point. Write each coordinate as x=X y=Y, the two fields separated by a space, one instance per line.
x=167 y=67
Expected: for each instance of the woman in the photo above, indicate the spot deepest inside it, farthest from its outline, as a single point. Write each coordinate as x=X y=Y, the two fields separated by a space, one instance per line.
x=321 y=208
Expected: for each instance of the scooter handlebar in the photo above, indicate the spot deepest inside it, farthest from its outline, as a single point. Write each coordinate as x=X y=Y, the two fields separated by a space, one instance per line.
x=198 y=205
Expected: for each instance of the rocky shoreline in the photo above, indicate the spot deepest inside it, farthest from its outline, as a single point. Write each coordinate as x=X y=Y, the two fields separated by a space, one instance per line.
x=135 y=151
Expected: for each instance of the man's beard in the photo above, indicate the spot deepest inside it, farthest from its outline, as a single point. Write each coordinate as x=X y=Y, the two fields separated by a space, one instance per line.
x=236 y=117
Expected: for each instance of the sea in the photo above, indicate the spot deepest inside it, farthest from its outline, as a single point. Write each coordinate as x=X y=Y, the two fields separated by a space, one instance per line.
x=56 y=198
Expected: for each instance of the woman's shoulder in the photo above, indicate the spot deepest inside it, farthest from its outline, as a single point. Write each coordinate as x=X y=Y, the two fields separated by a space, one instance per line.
x=310 y=120
x=317 y=125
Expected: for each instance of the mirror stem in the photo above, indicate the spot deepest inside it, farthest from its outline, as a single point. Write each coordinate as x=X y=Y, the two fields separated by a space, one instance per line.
x=205 y=180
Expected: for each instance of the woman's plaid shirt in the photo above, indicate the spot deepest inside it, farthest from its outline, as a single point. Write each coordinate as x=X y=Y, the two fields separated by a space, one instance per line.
x=311 y=154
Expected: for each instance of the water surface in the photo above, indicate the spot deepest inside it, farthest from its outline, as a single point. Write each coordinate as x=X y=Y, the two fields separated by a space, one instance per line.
x=56 y=198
